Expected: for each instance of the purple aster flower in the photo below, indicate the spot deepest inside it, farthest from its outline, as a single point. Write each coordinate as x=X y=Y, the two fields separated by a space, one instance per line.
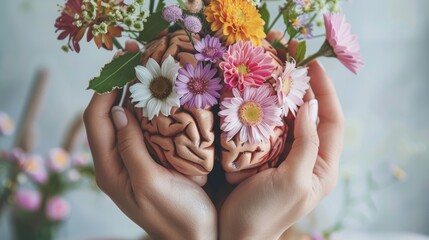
x=210 y=49
x=172 y=13
x=307 y=31
x=299 y=22
x=198 y=85
x=192 y=24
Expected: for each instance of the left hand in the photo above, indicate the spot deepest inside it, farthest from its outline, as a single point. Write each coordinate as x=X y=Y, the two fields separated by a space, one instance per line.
x=268 y=203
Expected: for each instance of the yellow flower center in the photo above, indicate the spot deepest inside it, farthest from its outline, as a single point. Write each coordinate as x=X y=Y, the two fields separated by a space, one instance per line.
x=287 y=85
x=304 y=31
x=295 y=22
x=32 y=166
x=250 y=113
x=61 y=159
x=161 y=88
x=243 y=69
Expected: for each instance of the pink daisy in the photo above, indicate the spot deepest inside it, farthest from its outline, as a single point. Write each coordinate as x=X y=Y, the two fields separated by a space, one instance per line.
x=291 y=87
x=57 y=208
x=253 y=112
x=344 y=44
x=246 y=65
x=198 y=85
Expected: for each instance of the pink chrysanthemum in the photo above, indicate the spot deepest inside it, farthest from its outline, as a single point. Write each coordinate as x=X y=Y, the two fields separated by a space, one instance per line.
x=254 y=113
x=29 y=200
x=344 y=44
x=246 y=65
x=291 y=87
x=198 y=85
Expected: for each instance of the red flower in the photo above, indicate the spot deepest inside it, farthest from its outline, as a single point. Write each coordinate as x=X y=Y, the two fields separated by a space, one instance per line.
x=99 y=17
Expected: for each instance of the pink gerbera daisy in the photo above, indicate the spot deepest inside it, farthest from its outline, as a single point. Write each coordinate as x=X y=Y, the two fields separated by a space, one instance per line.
x=198 y=85
x=253 y=112
x=291 y=87
x=344 y=44
x=246 y=65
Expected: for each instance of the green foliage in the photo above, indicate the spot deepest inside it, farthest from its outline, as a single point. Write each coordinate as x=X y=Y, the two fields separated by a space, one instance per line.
x=181 y=4
x=160 y=6
x=116 y=74
x=300 y=51
x=153 y=27
x=265 y=16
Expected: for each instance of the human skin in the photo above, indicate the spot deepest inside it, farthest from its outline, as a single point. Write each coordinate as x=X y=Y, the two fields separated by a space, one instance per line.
x=268 y=203
x=163 y=202
x=170 y=206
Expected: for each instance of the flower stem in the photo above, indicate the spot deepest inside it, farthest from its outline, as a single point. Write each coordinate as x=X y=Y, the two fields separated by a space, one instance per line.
x=117 y=44
x=309 y=59
x=278 y=16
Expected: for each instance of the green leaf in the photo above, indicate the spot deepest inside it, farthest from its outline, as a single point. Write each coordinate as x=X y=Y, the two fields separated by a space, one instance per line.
x=265 y=14
x=155 y=24
x=300 y=51
x=181 y=4
x=278 y=45
x=116 y=74
x=160 y=6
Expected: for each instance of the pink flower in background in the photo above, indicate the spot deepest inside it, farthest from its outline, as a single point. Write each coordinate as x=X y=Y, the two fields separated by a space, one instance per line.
x=34 y=167
x=57 y=208
x=344 y=44
x=7 y=126
x=15 y=155
x=246 y=65
x=291 y=87
x=253 y=113
x=198 y=85
x=209 y=49
x=80 y=159
x=58 y=160
x=29 y=200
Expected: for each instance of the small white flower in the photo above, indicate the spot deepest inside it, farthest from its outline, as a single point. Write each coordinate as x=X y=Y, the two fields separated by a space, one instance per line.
x=156 y=91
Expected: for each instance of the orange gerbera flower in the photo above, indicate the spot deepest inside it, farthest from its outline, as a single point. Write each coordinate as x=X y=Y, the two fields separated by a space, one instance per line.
x=238 y=20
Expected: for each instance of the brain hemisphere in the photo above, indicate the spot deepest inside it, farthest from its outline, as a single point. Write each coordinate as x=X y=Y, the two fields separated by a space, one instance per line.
x=185 y=140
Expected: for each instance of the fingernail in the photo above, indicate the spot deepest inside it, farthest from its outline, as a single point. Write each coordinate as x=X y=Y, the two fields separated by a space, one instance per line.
x=313 y=109
x=119 y=117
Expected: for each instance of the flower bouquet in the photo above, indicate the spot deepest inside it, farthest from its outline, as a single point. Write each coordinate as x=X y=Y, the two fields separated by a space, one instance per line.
x=212 y=81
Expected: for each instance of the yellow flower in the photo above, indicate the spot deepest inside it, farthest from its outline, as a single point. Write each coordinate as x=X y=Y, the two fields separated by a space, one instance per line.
x=238 y=20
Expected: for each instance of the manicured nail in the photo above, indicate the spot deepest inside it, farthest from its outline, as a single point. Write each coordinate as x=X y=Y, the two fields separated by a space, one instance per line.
x=119 y=117
x=313 y=109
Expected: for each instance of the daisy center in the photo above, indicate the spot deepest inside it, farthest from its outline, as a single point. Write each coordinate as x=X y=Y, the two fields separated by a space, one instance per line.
x=250 y=113
x=243 y=69
x=287 y=85
x=198 y=85
x=161 y=88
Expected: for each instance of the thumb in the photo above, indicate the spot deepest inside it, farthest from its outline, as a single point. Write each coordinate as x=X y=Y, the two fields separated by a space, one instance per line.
x=305 y=147
x=130 y=143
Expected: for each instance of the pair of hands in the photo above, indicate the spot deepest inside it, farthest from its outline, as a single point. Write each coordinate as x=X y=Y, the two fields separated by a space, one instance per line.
x=168 y=205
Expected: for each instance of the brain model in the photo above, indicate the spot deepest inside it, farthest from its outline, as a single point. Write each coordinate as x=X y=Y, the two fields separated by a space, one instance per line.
x=191 y=139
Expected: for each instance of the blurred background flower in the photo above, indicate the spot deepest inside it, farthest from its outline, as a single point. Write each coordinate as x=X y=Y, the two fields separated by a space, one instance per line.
x=385 y=107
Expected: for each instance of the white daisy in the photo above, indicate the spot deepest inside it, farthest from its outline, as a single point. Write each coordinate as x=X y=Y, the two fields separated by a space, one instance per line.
x=156 y=91
x=291 y=87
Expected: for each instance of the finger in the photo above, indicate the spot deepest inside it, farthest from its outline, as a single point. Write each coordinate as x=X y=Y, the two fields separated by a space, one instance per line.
x=309 y=94
x=330 y=129
x=292 y=48
x=132 y=46
x=101 y=135
x=304 y=151
x=131 y=145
